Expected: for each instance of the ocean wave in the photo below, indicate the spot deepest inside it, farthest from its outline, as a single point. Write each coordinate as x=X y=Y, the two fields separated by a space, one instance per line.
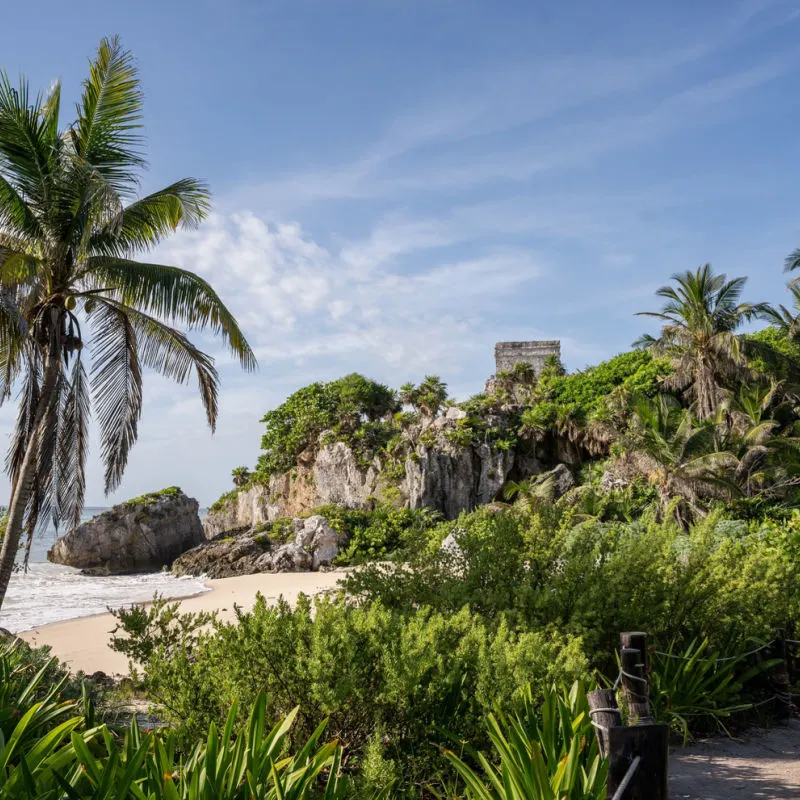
x=54 y=593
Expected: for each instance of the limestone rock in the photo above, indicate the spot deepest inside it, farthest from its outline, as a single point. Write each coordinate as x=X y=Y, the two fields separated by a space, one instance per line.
x=137 y=536
x=561 y=480
x=222 y=558
x=315 y=545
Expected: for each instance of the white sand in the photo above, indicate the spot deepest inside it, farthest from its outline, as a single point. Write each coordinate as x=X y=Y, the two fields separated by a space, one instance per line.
x=83 y=643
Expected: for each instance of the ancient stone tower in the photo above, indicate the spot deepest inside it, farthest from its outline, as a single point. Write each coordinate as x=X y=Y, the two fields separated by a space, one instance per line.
x=506 y=354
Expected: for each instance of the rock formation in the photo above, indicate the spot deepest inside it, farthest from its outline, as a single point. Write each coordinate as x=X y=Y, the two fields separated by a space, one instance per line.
x=315 y=545
x=137 y=536
x=438 y=474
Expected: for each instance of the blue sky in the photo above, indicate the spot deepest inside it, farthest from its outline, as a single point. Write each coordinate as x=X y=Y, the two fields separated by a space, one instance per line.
x=401 y=183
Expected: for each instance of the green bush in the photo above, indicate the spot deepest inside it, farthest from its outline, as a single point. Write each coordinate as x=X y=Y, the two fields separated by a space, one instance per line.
x=351 y=408
x=411 y=676
x=593 y=579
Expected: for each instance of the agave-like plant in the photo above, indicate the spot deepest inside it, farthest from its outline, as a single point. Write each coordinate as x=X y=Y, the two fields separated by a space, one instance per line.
x=71 y=222
x=547 y=752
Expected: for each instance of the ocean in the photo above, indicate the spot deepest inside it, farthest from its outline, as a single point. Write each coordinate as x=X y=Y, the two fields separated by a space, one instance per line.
x=53 y=593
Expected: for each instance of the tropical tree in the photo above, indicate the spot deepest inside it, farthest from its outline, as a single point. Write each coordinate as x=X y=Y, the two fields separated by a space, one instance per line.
x=70 y=224
x=701 y=316
x=241 y=475
x=427 y=398
x=678 y=454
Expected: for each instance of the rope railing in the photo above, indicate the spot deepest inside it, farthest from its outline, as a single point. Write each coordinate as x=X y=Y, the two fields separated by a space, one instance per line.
x=620 y=793
x=636 y=745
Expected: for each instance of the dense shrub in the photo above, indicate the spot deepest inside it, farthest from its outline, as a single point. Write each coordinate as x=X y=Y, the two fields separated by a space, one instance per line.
x=593 y=579
x=637 y=372
x=342 y=407
x=411 y=676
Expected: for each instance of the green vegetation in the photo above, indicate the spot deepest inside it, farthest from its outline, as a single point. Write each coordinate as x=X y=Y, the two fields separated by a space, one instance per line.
x=349 y=409
x=425 y=651
x=152 y=497
x=71 y=225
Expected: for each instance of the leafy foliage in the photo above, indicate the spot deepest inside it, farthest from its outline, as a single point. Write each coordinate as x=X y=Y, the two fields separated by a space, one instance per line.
x=548 y=756
x=410 y=675
x=341 y=407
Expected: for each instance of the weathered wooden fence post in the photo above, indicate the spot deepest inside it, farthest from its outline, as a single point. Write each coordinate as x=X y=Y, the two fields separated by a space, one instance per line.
x=605 y=715
x=635 y=688
x=637 y=753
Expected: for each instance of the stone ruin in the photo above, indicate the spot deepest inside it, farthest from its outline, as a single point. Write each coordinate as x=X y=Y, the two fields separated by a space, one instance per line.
x=507 y=354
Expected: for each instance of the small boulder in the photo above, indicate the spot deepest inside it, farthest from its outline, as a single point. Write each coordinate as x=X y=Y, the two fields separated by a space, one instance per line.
x=559 y=478
x=140 y=535
x=315 y=545
x=224 y=557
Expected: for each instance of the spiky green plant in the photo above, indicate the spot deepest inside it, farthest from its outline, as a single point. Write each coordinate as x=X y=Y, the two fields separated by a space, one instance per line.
x=548 y=752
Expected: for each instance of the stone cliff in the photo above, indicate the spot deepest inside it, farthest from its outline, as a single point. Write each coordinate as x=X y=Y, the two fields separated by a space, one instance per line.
x=435 y=472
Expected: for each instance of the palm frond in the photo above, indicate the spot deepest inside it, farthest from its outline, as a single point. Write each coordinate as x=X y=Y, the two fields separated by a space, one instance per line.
x=144 y=223
x=16 y=216
x=106 y=134
x=73 y=446
x=117 y=387
x=169 y=293
x=26 y=148
x=792 y=262
x=29 y=395
x=170 y=353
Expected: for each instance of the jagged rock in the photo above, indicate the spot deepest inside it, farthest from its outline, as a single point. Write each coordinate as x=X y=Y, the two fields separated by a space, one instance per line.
x=454 y=479
x=561 y=477
x=138 y=536
x=223 y=558
x=455 y=413
x=315 y=545
x=315 y=535
x=441 y=475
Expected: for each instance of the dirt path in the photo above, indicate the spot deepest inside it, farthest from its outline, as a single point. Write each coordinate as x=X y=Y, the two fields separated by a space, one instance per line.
x=762 y=764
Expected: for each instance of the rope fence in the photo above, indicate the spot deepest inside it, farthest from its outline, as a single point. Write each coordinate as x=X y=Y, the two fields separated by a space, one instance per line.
x=638 y=750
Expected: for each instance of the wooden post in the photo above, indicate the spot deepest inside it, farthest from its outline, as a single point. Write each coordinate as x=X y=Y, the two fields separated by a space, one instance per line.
x=605 y=714
x=651 y=744
x=637 y=640
x=635 y=689
x=779 y=678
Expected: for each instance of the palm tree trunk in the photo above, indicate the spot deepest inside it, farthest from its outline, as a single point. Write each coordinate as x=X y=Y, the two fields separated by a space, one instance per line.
x=24 y=483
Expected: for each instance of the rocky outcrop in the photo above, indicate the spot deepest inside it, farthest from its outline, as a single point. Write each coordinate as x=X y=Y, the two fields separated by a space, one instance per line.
x=437 y=473
x=138 y=536
x=315 y=545
x=454 y=479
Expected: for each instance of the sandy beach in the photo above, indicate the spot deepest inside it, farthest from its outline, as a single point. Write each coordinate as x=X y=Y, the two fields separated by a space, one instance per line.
x=83 y=643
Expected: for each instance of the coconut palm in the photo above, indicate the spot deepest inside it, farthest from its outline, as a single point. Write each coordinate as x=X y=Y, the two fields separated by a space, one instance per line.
x=787 y=320
x=701 y=317
x=70 y=223
x=427 y=398
x=678 y=455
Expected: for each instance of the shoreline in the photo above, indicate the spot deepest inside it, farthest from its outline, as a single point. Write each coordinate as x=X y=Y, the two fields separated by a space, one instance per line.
x=82 y=642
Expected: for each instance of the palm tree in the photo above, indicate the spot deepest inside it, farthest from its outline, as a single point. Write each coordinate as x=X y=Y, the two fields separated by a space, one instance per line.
x=787 y=320
x=701 y=316
x=70 y=223
x=427 y=398
x=680 y=459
